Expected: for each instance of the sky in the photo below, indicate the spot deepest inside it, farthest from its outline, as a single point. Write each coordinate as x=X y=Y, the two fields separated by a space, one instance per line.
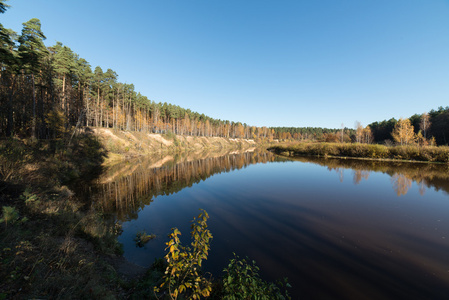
x=292 y=63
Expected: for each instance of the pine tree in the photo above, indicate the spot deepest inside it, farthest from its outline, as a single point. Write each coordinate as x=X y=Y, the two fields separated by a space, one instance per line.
x=31 y=52
x=3 y=6
x=98 y=81
x=64 y=65
x=9 y=66
x=84 y=74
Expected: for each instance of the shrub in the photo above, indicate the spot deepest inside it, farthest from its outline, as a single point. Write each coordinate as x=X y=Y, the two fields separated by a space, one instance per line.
x=10 y=215
x=242 y=281
x=183 y=273
x=184 y=263
x=378 y=151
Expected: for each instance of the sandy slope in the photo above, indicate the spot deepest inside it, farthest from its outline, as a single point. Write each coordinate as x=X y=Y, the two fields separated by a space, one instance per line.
x=131 y=143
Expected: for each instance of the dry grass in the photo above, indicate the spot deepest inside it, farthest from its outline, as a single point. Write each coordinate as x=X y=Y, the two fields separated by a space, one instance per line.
x=57 y=245
x=368 y=151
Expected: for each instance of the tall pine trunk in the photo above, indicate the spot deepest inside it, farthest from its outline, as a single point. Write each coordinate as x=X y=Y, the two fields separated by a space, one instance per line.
x=9 y=126
x=34 y=107
x=98 y=107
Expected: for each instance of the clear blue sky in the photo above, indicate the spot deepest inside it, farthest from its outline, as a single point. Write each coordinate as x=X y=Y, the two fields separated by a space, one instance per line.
x=316 y=63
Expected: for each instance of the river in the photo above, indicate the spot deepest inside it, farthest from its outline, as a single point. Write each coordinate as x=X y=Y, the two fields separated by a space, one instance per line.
x=338 y=229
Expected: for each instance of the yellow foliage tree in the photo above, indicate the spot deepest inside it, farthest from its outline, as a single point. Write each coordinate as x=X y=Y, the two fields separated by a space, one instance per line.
x=359 y=132
x=367 y=135
x=403 y=132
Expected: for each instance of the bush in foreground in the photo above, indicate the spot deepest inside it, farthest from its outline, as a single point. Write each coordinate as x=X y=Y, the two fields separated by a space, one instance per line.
x=184 y=279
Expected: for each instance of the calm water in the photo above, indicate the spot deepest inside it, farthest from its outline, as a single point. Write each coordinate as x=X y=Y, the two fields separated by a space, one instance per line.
x=338 y=229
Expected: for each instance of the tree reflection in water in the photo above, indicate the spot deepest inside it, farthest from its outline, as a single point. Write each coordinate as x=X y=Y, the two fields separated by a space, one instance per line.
x=401 y=183
x=374 y=247
x=359 y=175
x=426 y=175
x=127 y=188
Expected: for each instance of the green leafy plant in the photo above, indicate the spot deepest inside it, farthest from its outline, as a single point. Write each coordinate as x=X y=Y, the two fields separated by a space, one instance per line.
x=242 y=281
x=10 y=215
x=183 y=277
x=142 y=238
x=183 y=273
x=29 y=197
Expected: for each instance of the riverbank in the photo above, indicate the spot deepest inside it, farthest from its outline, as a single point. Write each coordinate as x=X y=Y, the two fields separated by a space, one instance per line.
x=127 y=144
x=414 y=153
x=54 y=243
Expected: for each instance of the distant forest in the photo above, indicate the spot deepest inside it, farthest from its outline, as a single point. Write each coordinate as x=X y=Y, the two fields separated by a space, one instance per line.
x=438 y=126
x=379 y=132
x=46 y=92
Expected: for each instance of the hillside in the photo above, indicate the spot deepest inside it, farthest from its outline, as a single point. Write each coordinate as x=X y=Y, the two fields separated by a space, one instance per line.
x=125 y=144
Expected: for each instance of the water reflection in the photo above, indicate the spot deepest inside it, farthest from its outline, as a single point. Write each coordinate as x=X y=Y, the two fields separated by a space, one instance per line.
x=402 y=174
x=128 y=187
x=359 y=175
x=296 y=219
x=401 y=183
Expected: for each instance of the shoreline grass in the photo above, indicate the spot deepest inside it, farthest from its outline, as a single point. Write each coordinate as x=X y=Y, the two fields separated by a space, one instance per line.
x=412 y=153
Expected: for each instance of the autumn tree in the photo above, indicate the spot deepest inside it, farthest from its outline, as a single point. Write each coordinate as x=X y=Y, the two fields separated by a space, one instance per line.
x=342 y=132
x=331 y=138
x=358 y=132
x=367 y=135
x=424 y=124
x=420 y=139
x=403 y=132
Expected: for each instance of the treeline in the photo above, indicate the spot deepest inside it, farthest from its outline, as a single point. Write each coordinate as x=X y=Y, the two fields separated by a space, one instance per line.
x=424 y=129
x=46 y=91
x=313 y=133
x=433 y=125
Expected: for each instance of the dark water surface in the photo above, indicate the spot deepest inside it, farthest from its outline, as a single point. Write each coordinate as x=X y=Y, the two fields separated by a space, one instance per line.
x=338 y=229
